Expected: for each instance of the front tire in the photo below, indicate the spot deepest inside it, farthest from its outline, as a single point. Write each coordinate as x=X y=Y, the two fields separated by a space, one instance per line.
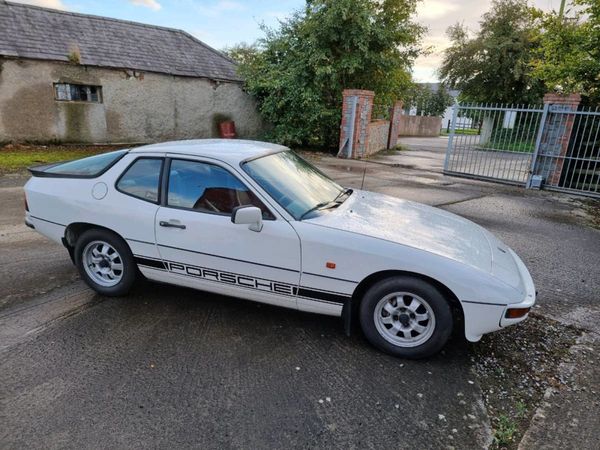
x=105 y=262
x=406 y=317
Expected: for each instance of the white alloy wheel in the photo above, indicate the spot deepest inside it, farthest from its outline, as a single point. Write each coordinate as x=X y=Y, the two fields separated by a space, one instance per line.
x=404 y=319
x=102 y=263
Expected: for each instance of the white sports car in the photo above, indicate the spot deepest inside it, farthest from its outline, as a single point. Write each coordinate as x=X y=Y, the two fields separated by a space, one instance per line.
x=254 y=220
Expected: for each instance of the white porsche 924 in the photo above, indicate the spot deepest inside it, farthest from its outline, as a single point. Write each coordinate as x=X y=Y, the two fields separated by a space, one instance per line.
x=254 y=220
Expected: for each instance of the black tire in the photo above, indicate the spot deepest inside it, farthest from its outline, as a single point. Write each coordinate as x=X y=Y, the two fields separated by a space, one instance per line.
x=432 y=304
x=129 y=268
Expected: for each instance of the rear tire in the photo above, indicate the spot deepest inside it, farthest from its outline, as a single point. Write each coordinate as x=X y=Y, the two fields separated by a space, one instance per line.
x=406 y=317
x=105 y=262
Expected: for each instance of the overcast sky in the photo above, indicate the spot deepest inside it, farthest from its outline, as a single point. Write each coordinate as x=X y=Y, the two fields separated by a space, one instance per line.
x=221 y=23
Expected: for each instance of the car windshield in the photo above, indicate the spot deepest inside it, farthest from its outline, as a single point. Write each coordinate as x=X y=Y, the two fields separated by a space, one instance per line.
x=295 y=184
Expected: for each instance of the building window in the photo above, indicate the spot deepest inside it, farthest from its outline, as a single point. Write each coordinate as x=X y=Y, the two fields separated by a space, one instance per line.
x=77 y=92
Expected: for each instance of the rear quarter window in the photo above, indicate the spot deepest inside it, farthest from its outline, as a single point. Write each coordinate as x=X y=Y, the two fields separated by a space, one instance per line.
x=142 y=179
x=91 y=166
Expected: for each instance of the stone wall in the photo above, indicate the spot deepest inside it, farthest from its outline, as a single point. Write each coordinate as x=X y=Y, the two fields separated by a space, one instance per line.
x=136 y=107
x=378 y=132
x=425 y=126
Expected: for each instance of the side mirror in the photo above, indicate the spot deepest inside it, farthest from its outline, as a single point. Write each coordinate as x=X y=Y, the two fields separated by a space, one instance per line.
x=248 y=215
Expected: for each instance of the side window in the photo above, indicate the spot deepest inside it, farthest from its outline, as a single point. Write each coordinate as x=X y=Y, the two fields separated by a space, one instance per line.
x=142 y=179
x=208 y=188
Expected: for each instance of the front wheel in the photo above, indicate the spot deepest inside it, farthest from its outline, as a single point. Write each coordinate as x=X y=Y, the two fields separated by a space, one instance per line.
x=105 y=262
x=406 y=316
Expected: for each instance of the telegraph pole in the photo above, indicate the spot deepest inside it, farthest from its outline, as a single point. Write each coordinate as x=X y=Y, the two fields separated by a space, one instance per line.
x=561 y=12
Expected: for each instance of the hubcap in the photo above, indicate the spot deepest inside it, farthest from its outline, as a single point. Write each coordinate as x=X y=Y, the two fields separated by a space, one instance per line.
x=404 y=319
x=102 y=263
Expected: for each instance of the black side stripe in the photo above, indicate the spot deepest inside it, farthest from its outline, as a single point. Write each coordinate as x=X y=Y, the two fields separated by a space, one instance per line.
x=312 y=294
x=327 y=296
x=155 y=264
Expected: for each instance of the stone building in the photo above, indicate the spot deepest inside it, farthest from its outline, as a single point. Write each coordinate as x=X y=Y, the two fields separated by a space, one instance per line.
x=67 y=77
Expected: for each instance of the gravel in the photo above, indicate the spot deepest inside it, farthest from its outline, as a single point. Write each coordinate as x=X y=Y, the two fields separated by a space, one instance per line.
x=515 y=367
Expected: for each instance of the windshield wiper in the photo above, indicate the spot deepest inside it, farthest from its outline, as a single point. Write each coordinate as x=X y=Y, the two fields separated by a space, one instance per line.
x=346 y=191
x=322 y=205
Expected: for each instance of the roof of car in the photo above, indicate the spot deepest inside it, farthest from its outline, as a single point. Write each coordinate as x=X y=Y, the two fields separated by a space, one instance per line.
x=229 y=150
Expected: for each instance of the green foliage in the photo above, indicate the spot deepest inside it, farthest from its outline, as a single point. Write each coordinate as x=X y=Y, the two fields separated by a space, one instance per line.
x=428 y=102
x=504 y=431
x=495 y=65
x=568 y=57
x=297 y=72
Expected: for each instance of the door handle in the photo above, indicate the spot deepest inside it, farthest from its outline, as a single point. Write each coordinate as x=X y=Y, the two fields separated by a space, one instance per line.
x=163 y=223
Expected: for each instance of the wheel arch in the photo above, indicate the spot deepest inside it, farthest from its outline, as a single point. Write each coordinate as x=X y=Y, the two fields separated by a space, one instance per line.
x=350 y=310
x=76 y=229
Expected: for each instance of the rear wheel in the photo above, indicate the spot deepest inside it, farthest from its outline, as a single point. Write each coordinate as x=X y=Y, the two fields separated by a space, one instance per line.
x=406 y=316
x=105 y=262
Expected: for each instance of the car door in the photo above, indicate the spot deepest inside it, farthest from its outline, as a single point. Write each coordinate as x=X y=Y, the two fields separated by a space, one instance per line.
x=202 y=248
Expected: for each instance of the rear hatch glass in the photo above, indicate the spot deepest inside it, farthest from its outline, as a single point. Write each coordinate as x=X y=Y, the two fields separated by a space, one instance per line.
x=89 y=167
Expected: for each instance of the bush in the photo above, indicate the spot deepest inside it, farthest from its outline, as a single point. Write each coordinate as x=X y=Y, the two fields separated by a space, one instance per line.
x=297 y=72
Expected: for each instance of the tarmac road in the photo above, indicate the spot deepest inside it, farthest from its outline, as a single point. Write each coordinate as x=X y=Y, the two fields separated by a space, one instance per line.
x=168 y=366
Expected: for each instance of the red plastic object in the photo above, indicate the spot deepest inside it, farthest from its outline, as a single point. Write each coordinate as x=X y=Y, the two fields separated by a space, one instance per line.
x=227 y=129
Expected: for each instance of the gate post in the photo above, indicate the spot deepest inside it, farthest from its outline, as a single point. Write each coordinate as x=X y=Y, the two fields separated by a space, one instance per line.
x=556 y=134
x=357 y=106
x=534 y=159
x=451 y=137
x=395 y=118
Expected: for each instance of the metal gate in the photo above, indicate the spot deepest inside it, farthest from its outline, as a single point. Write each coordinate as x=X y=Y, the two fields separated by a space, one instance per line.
x=567 y=158
x=551 y=146
x=493 y=142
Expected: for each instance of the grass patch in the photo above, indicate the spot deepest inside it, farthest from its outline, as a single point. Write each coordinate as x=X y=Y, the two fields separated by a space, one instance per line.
x=391 y=151
x=15 y=158
x=513 y=146
x=462 y=131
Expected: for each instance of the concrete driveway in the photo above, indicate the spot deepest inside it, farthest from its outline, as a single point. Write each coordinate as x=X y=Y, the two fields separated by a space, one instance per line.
x=172 y=367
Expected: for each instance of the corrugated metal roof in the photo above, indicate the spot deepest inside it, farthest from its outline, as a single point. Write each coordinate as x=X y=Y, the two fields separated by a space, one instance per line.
x=40 y=33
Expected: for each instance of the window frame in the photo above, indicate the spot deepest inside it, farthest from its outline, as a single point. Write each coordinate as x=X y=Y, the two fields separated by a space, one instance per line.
x=160 y=179
x=165 y=188
x=98 y=88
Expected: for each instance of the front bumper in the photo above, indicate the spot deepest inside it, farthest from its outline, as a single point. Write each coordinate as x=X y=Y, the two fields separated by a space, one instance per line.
x=529 y=300
x=482 y=318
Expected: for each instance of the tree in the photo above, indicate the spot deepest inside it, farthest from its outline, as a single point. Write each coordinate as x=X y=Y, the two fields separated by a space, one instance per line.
x=429 y=102
x=298 y=71
x=494 y=66
x=568 y=58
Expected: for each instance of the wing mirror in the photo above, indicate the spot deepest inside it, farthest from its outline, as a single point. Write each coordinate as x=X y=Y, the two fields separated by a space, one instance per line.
x=248 y=215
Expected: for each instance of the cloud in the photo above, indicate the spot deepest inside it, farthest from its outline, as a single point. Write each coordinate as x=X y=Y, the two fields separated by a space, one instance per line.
x=218 y=8
x=54 y=4
x=434 y=9
x=152 y=4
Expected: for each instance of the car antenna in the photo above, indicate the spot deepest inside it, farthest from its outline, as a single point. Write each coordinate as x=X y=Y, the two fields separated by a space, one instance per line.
x=363 y=177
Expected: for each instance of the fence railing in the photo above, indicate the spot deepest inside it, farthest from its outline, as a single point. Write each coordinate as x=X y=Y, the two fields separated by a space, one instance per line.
x=574 y=164
x=557 y=146
x=493 y=141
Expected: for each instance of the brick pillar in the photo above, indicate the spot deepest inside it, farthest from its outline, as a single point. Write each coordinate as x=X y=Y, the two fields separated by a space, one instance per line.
x=354 y=134
x=557 y=134
x=395 y=118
